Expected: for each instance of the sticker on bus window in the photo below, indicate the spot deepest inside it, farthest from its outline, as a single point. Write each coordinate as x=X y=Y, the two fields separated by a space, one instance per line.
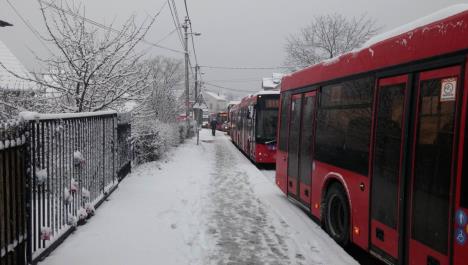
x=448 y=89
x=460 y=236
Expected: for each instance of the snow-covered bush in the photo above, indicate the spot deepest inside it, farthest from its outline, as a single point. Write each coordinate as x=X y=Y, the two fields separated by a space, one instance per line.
x=151 y=139
x=89 y=209
x=67 y=197
x=72 y=221
x=41 y=176
x=78 y=158
x=85 y=193
x=82 y=215
x=46 y=233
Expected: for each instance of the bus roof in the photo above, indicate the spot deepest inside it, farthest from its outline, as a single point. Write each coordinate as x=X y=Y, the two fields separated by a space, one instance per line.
x=443 y=32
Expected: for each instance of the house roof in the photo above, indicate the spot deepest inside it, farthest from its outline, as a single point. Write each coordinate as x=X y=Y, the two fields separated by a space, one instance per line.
x=8 y=80
x=214 y=95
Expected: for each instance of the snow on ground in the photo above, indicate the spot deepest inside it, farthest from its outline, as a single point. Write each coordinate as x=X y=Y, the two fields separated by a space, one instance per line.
x=269 y=174
x=205 y=204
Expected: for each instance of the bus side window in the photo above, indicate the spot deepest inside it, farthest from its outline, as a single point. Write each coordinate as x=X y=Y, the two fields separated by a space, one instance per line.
x=283 y=133
x=344 y=124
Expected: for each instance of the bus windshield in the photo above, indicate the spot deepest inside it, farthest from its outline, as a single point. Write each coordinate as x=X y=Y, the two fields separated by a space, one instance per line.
x=267 y=120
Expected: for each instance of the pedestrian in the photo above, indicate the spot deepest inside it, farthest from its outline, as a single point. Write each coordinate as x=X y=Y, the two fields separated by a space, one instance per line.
x=213 y=124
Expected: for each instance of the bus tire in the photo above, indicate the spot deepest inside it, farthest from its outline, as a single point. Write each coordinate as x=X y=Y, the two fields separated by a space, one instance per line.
x=337 y=214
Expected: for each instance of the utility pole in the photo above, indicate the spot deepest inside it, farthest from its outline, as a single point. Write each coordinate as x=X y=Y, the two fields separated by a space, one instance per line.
x=196 y=112
x=196 y=82
x=187 y=99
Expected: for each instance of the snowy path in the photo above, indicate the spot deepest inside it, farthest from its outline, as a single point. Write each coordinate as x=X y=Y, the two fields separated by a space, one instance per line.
x=206 y=204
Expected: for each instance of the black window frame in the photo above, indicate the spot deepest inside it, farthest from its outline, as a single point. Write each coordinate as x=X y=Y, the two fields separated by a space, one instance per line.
x=386 y=161
x=260 y=108
x=431 y=188
x=354 y=160
x=464 y=176
x=285 y=101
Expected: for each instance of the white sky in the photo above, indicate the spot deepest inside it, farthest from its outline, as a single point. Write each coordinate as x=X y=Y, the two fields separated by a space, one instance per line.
x=245 y=33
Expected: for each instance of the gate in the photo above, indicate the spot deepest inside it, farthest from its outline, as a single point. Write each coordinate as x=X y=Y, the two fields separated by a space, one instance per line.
x=13 y=162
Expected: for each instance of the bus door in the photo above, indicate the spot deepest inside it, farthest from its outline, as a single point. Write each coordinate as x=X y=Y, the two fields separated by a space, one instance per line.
x=433 y=166
x=413 y=167
x=293 y=145
x=387 y=166
x=300 y=170
x=306 y=147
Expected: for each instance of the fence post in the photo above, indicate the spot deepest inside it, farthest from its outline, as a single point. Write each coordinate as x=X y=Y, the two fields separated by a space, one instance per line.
x=103 y=155
x=29 y=189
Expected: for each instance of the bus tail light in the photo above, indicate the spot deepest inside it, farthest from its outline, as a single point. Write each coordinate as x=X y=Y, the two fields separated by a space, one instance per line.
x=356 y=230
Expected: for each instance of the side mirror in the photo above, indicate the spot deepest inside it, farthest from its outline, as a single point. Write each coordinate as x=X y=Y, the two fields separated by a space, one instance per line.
x=250 y=112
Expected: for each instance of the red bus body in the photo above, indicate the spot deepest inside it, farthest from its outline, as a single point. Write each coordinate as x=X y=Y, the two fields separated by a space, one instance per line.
x=222 y=118
x=253 y=126
x=386 y=126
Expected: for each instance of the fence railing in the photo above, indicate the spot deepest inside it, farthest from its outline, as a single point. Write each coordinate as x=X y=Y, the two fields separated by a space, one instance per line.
x=124 y=150
x=62 y=167
x=13 y=161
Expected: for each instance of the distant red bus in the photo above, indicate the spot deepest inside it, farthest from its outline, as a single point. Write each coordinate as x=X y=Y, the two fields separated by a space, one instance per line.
x=372 y=144
x=253 y=126
x=222 y=118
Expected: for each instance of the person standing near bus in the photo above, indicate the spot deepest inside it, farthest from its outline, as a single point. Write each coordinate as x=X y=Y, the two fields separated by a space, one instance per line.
x=213 y=124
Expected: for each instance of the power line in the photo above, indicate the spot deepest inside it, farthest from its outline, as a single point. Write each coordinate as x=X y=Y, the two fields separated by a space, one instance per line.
x=236 y=80
x=97 y=24
x=246 y=68
x=176 y=22
x=228 y=88
x=29 y=26
x=167 y=36
x=191 y=33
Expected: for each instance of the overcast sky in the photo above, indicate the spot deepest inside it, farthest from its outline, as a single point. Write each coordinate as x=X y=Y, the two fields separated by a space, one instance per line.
x=235 y=33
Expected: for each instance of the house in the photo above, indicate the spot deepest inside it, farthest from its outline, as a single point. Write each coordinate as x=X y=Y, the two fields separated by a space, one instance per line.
x=13 y=90
x=215 y=102
x=8 y=81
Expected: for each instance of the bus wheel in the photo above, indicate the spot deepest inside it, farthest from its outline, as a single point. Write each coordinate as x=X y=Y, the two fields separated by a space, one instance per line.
x=336 y=214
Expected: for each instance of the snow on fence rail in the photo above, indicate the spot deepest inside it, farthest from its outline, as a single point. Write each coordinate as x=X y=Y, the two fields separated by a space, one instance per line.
x=63 y=166
x=12 y=192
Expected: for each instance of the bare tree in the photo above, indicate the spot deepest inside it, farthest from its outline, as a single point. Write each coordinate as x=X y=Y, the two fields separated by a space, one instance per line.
x=159 y=100
x=154 y=127
x=328 y=36
x=93 y=68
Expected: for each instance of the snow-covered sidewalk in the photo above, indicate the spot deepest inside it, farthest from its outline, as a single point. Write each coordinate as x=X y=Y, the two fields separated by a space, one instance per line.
x=204 y=204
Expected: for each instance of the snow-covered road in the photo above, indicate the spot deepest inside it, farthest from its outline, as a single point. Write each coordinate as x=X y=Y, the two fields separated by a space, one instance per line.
x=204 y=204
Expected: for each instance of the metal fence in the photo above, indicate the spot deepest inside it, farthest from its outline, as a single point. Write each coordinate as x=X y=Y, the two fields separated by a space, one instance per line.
x=55 y=170
x=13 y=161
x=124 y=150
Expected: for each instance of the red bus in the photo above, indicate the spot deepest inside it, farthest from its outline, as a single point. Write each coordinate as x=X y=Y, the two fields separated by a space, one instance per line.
x=254 y=125
x=222 y=118
x=372 y=143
